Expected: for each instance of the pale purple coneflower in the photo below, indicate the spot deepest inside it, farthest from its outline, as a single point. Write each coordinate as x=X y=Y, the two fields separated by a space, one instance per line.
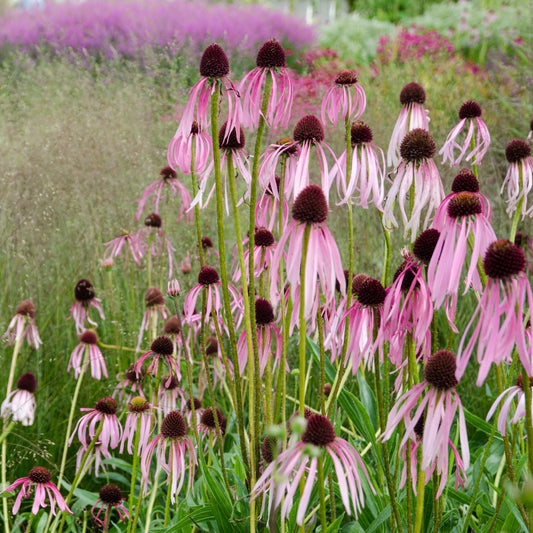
x=437 y=397
x=155 y=310
x=412 y=116
x=268 y=208
x=283 y=475
x=22 y=326
x=96 y=456
x=463 y=219
x=167 y=184
x=345 y=98
x=110 y=498
x=500 y=312
x=181 y=148
x=518 y=181
x=169 y=392
x=105 y=412
x=415 y=175
x=132 y=243
x=198 y=410
x=20 y=404
x=271 y=63
x=180 y=449
x=85 y=296
x=209 y=249
x=185 y=265
x=269 y=338
x=213 y=352
x=173 y=330
x=310 y=210
x=40 y=478
x=214 y=69
x=140 y=411
x=473 y=147
x=367 y=174
x=129 y=384
x=208 y=428
x=88 y=343
x=263 y=251
x=161 y=348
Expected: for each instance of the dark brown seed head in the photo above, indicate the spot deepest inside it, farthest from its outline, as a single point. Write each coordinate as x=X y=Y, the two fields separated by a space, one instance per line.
x=357 y=281
x=153 y=220
x=27 y=382
x=419 y=426
x=327 y=390
x=267 y=449
x=84 y=291
x=371 y=293
x=290 y=147
x=308 y=129
x=211 y=346
x=465 y=181
x=195 y=128
x=232 y=142
x=89 y=337
x=360 y=133
x=470 y=109
x=111 y=494
x=418 y=144
x=408 y=277
x=208 y=419
x=319 y=431
x=271 y=55
x=206 y=243
x=170 y=384
x=346 y=273
x=520 y=382
x=425 y=243
x=310 y=206
x=39 y=474
x=172 y=326
x=174 y=426
x=503 y=259
x=196 y=402
x=263 y=237
x=26 y=308
x=464 y=204
x=412 y=93
x=153 y=296
x=208 y=276
x=168 y=173
x=162 y=346
x=517 y=150
x=214 y=62
x=264 y=313
x=106 y=406
x=346 y=77
x=440 y=370
x=138 y=405
x=131 y=375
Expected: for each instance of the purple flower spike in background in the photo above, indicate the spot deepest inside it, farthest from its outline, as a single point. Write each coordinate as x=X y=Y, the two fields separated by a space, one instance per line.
x=40 y=478
x=345 y=100
x=469 y=113
x=22 y=326
x=518 y=181
x=20 y=404
x=270 y=61
x=110 y=497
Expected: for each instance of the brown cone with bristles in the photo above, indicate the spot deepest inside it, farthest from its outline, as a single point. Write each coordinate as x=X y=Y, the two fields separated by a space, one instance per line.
x=211 y=345
x=107 y=406
x=464 y=204
x=412 y=93
x=207 y=276
x=465 y=181
x=172 y=326
x=271 y=55
x=214 y=62
x=267 y=447
x=132 y=377
x=408 y=277
x=440 y=370
x=418 y=144
x=206 y=243
x=371 y=293
x=503 y=259
x=264 y=312
x=196 y=402
x=308 y=129
x=310 y=206
x=346 y=77
x=360 y=133
x=470 y=109
x=89 y=337
x=231 y=142
x=40 y=474
x=425 y=243
x=208 y=419
x=290 y=148
x=153 y=220
x=357 y=281
x=28 y=382
x=174 y=426
x=153 y=297
x=516 y=150
x=111 y=494
x=319 y=431
x=138 y=404
x=168 y=173
x=26 y=308
x=263 y=237
x=84 y=291
x=162 y=345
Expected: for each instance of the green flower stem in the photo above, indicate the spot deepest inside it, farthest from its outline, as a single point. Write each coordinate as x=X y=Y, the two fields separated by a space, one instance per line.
x=474 y=164
x=331 y=496
x=138 y=508
x=151 y=502
x=225 y=360
x=167 y=503
x=134 y=471
x=408 y=496
x=149 y=265
x=268 y=392
x=115 y=320
x=420 y=489
x=302 y=324
x=348 y=137
x=529 y=426
x=322 y=494
x=518 y=208
x=224 y=274
x=388 y=255
x=116 y=347
x=322 y=362
x=196 y=207
x=8 y=429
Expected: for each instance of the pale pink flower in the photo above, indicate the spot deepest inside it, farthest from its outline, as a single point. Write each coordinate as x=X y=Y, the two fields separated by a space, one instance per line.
x=440 y=402
x=518 y=181
x=129 y=384
x=85 y=296
x=346 y=98
x=96 y=453
x=110 y=497
x=268 y=209
x=172 y=328
x=88 y=343
x=198 y=410
x=161 y=348
x=270 y=61
x=22 y=326
x=283 y=475
x=181 y=149
x=132 y=243
x=263 y=252
x=500 y=312
x=139 y=410
x=412 y=116
x=20 y=404
x=180 y=450
x=169 y=392
x=208 y=428
x=40 y=478
x=155 y=310
x=469 y=113
x=167 y=184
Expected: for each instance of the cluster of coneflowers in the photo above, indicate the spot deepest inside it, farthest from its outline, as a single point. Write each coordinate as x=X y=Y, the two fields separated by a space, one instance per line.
x=247 y=335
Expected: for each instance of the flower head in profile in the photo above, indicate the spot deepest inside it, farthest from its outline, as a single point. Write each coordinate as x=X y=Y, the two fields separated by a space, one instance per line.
x=346 y=99
x=476 y=141
x=141 y=415
x=155 y=310
x=270 y=63
x=269 y=207
x=40 y=478
x=284 y=474
x=412 y=116
x=110 y=498
x=208 y=424
x=264 y=246
x=162 y=348
x=518 y=181
x=20 y=403
x=180 y=450
x=132 y=244
x=22 y=326
x=88 y=348
x=192 y=152
x=85 y=299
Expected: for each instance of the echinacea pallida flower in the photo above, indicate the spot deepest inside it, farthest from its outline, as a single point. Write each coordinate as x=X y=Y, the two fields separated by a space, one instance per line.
x=40 y=478
x=85 y=295
x=518 y=181
x=22 y=325
x=139 y=410
x=20 y=404
x=110 y=497
x=282 y=476
x=88 y=343
x=345 y=98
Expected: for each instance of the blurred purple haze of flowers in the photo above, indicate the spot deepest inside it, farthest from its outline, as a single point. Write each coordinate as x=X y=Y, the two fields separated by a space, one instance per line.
x=127 y=28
